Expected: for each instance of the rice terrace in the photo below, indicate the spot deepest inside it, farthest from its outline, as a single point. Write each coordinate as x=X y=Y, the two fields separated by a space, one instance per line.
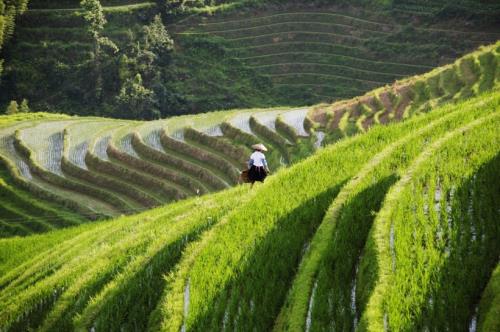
x=249 y=165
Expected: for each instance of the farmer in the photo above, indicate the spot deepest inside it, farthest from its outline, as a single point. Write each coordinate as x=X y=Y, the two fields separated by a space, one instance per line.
x=257 y=165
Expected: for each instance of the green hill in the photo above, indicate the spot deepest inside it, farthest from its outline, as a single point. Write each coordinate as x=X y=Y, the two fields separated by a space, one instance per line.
x=342 y=238
x=234 y=54
x=98 y=168
x=380 y=214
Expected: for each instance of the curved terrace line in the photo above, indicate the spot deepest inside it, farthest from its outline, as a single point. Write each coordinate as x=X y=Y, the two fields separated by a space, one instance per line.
x=319 y=53
x=296 y=13
x=358 y=39
x=317 y=85
x=296 y=32
x=292 y=22
x=325 y=75
x=349 y=17
x=324 y=65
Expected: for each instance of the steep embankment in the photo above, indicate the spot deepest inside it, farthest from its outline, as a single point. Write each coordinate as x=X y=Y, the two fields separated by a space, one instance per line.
x=440 y=165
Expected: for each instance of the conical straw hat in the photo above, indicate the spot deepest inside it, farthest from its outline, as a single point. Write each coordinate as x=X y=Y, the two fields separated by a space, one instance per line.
x=259 y=147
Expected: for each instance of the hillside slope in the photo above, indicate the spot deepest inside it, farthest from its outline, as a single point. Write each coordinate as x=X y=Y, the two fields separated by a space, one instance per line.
x=256 y=55
x=442 y=165
x=100 y=168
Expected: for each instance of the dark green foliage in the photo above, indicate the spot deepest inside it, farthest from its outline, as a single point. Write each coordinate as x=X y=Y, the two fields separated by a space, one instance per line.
x=135 y=101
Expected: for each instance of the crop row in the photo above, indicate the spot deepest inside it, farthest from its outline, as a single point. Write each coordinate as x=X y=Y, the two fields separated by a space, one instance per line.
x=339 y=52
x=58 y=180
x=343 y=19
x=28 y=212
x=46 y=192
x=237 y=154
x=330 y=270
x=324 y=70
x=113 y=277
x=264 y=240
x=290 y=27
x=445 y=242
x=229 y=172
x=318 y=58
x=187 y=167
x=154 y=170
x=321 y=17
x=468 y=76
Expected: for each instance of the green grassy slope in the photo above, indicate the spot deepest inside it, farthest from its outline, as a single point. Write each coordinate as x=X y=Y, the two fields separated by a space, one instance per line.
x=100 y=167
x=468 y=76
x=253 y=241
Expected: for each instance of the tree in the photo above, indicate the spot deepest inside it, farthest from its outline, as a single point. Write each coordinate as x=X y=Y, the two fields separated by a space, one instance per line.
x=158 y=40
x=24 y=108
x=137 y=102
x=13 y=108
x=94 y=16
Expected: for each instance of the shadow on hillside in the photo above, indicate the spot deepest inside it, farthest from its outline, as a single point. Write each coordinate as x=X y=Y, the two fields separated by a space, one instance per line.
x=470 y=253
x=337 y=297
x=253 y=299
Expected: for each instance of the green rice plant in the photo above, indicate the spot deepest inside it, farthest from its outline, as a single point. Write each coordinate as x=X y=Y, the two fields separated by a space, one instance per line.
x=489 y=307
x=194 y=170
x=184 y=183
x=18 y=221
x=260 y=243
x=450 y=82
x=219 y=166
x=147 y=181
x=31 y=215
x=235 y=153
x=488 y=63
x=238 y=135
x=114 y=275
x=123 y=195
x=469 y=72
x=330 y=265
x=114 y=172
x=44 y=194
x=436 y=246
x=285 y=130
x=58 y=180
x=309 y=125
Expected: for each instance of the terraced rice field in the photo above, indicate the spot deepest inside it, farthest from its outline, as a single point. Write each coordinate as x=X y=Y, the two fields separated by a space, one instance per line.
x=471 y=75
x=329 y=54
x=379 y=243
x=100 y=167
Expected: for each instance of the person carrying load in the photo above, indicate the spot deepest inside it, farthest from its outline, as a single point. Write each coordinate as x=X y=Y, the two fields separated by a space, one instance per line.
x=257 y=165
